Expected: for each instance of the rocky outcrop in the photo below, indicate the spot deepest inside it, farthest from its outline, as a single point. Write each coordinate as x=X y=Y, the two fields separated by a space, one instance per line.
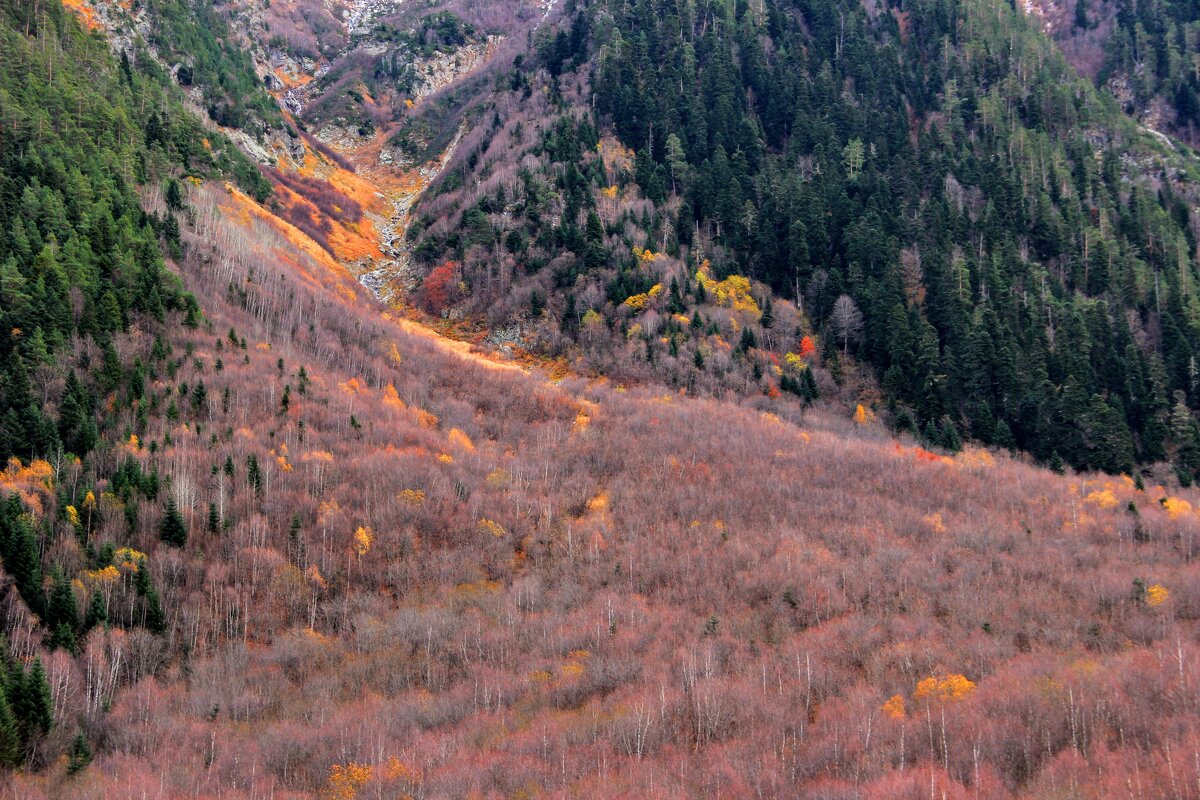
x=361 y=14
x=439 y=71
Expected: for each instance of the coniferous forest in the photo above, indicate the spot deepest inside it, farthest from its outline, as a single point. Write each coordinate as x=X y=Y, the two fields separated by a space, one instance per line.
x=81 y=264
x=1022 y=256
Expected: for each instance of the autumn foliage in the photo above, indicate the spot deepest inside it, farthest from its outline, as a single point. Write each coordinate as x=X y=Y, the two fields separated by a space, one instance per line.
x=410 y=571
x=441 y=287
x=425 y=576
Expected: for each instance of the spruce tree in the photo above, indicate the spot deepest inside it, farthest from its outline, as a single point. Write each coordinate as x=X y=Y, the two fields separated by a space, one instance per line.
x=254 y=474
x=61 y=609
x=1081 y=17
x=295 y=541
x=808 y=386
x=33 y=704
x=173 y=529
x=97 y=612
x=154 y=620
x=199 y=397
x=20 y=553
x=10 y=735
x=79 y=756
x=62 y=635
x=152 y=614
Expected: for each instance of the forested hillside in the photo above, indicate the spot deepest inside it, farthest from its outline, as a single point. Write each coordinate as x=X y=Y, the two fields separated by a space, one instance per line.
x=1143 y=52
x=948 y=204
x=262 y=535
x=85 y=302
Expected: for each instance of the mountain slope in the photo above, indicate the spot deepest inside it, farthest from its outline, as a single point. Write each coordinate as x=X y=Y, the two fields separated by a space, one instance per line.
x=1144 y=53
x=85 y=303
x=929 y=190
x=1023 y=257
x=431 y=577
x=316 y=550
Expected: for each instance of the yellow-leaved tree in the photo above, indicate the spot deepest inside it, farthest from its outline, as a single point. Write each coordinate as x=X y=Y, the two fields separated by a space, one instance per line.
x=946 y=688
x=1176 y=507
x=363 y=538
x=734 y=291
x=492 y=527
x=863 y=415
x=345 y=780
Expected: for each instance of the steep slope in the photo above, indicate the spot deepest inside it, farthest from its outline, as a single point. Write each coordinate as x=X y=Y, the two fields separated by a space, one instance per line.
x=396 y=101
x=880 y=205
x=1016 y=259
x=425 y=577
x=336 y=558
x=85 y=301
x=1144 y=53
x=317 y=61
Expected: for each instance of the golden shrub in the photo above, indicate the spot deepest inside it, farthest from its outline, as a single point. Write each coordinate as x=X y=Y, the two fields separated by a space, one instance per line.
x=894 y=707
x=946 y=688
x=363 y=539
x=345 y=780
x=492 y=527
x=460 y=439
x=1102 y=499
x=733 y=292
x=637 y=301
x=412 y=497
x=1176 y=507
x=863 y=415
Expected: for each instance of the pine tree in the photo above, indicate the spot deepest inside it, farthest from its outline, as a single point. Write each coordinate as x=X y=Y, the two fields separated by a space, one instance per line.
x=295 y=541
x=76 y=427
x=675 y=299
x=152 y=614
x=174 y=195
x=747 y=341
x=62 y=635
x=161 y=350
x=949 y=435
x=199 y=397
x=153 y=619
x=1081 y=17
x=254 y=474
x=20 y=552
x=808 y=386
x=141 y=579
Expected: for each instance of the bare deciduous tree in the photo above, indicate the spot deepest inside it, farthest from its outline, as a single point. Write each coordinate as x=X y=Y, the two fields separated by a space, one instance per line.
x=847 y=321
